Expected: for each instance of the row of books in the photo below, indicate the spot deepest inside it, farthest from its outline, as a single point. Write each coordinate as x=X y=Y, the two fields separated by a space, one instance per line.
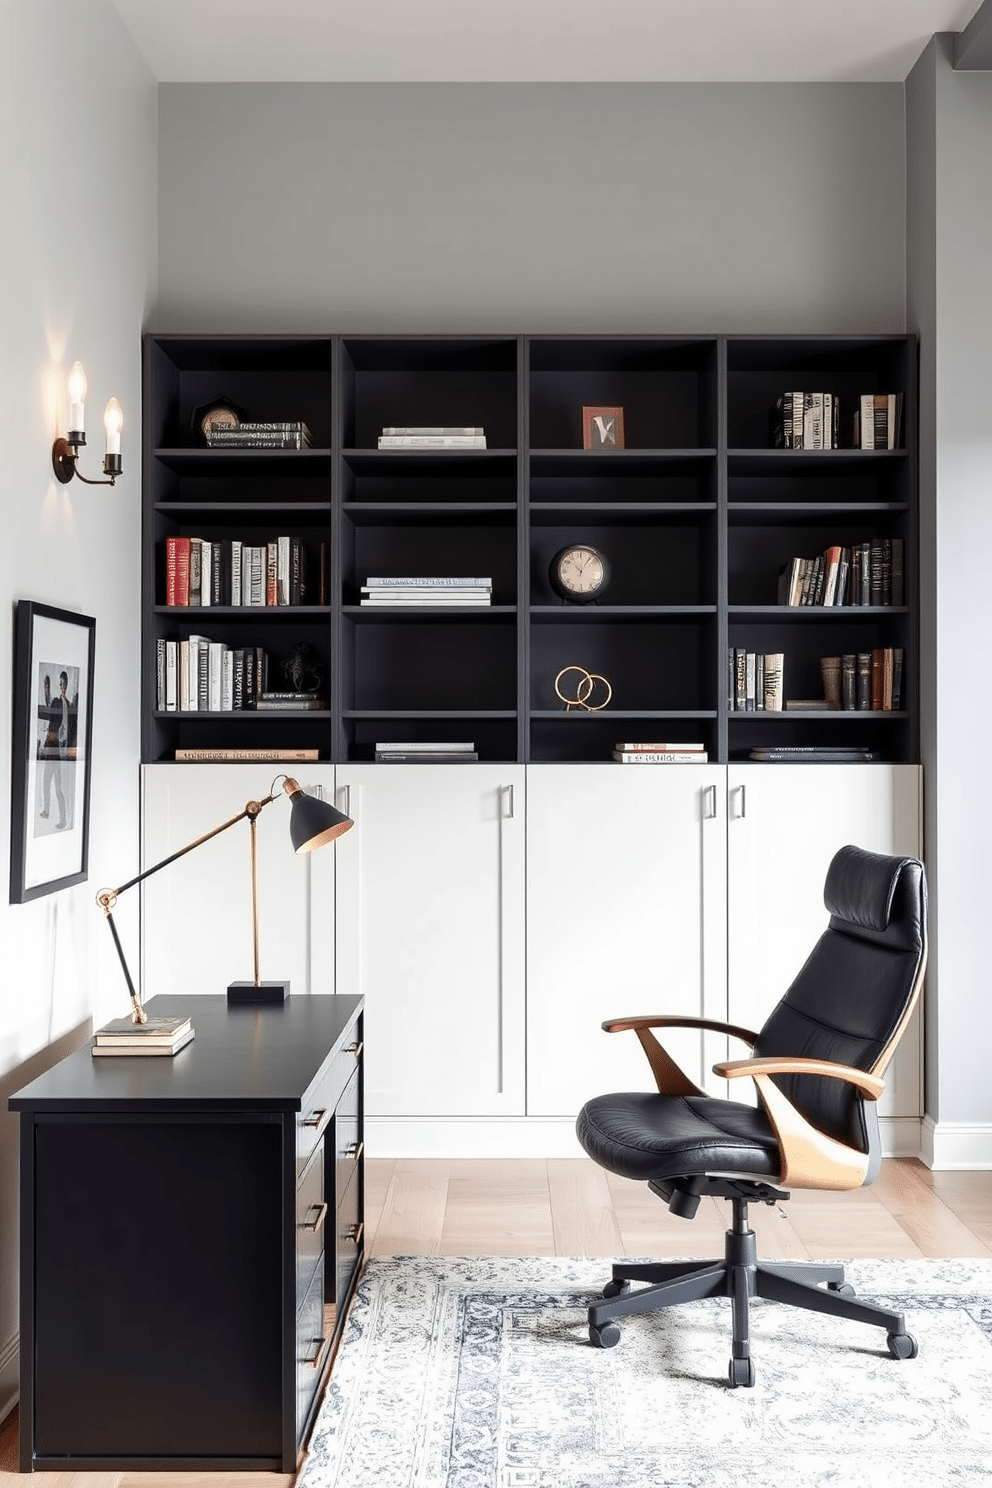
x=198 y=675
x=755 y=680
x=272 y=434
x=202 y=572
x=637 y=752
x=864 y=681
x=812 y=421
x=432 y=436
x=868 y=573
x=427 y=590
x=426 y=752
x=157 y=1036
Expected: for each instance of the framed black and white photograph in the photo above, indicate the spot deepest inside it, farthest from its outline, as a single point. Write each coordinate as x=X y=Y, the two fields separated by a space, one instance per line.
x=50 y=763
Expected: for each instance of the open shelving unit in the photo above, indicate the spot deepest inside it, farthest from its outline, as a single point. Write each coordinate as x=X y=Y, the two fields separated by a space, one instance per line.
x=696 y=513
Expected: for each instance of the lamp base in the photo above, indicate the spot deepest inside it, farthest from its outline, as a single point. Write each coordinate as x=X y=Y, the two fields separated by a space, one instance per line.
x=263 y=992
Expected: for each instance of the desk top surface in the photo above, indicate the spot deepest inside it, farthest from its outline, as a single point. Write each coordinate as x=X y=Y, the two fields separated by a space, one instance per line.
x=259 y=1058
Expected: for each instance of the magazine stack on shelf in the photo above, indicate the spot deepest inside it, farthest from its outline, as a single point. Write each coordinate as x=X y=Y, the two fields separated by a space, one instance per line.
x=427 y=591
x=635 y=753
x=432 y=436
x=421 y=752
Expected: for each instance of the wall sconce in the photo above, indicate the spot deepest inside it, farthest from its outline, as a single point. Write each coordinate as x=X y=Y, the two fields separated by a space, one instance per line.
x=65 y=452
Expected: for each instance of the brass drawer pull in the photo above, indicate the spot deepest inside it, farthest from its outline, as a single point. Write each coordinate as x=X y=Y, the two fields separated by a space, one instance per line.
x=317 y=1222
x=354 y=1232
x=355 y=1049
x=318 y=1357
x=315 y=1118
x=355 y=1150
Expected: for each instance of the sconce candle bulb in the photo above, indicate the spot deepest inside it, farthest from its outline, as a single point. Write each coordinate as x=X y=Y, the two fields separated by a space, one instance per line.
x=65 y=451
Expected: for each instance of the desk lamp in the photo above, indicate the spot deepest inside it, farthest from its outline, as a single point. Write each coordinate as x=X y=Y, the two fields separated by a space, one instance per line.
x=312 y=824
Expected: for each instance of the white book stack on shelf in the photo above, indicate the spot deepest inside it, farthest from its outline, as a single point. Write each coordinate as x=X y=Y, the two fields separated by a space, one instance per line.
x=635 y=753
x=427 y=590
x=432 y=436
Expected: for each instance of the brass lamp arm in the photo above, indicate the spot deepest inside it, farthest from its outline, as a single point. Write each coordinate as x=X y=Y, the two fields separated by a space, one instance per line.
x=107 y=898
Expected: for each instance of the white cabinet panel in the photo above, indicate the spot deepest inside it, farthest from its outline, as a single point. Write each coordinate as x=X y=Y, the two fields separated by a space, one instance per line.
x=626 y=914
x=431 y=933
x=196 y=914
x=784 y=824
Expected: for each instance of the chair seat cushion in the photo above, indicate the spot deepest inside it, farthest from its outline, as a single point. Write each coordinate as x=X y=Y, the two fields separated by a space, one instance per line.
x=643 y=1136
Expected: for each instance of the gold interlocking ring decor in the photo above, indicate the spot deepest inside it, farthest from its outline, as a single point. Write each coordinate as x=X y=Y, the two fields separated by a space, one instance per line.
x=583 y=687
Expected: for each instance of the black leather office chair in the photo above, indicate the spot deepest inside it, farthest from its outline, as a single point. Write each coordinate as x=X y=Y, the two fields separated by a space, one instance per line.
x=817 y=1064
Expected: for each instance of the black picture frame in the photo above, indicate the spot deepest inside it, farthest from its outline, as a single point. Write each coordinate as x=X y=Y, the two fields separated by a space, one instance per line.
x=51 y=757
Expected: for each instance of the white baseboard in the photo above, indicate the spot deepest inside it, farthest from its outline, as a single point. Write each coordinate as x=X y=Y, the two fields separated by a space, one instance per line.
x=956 y=1144
x=536 y=1136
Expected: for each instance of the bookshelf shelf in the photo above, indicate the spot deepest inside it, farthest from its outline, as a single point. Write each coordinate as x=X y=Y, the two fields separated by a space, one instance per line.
x=696 y=514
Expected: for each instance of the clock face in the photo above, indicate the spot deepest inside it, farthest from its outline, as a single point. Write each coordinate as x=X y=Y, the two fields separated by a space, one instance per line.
x=579 y=573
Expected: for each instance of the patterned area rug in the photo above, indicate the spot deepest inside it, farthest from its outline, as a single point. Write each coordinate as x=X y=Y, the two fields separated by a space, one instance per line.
x=479 y=1374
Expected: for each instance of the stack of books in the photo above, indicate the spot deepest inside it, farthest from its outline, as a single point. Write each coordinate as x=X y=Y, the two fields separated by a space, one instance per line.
x=444 y=752
x=427 y=591
x=432 y=436
x=755 y=680
x=309 y=702
x=814 y=754
x=159 y=1036
x=294 y=434
x=660 y=754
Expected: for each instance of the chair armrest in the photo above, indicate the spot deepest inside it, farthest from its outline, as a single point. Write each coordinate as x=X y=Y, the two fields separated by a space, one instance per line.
x=810 y=1159
x=669 y=1078
x=869 y=1085
x=621 y=1025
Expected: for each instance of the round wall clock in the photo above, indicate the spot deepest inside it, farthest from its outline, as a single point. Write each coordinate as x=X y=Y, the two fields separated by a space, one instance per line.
x=579 y=573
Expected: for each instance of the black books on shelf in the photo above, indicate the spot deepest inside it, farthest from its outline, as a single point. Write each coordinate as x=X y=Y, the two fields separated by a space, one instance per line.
x=158 y=1036
x=878 y=421
x=868 y=573
x=201 y=572
x=803 y=420
x=813 y=754
x=755 y=681
x=198 y=675
x=273 y=434
x=432 y=436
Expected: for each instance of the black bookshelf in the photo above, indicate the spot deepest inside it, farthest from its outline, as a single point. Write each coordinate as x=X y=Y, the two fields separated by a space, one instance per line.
x=696 y=513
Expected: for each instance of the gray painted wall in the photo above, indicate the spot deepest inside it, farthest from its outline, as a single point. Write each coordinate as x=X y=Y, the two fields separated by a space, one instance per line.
x=949 y=228
x=623 y=208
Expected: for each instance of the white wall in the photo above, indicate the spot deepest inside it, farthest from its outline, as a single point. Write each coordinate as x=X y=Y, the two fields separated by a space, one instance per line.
x=523 y=207
x=949 y=226
x=78 y=253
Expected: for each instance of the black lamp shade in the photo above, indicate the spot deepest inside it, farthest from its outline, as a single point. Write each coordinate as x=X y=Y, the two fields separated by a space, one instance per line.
x=313 y=823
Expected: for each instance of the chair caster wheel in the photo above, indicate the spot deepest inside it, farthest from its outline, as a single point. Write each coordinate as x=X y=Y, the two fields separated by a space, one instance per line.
x=616 y=1289
x=605 y=1336
x=841 y=1288
x=902 y=1345
x=741 y=1373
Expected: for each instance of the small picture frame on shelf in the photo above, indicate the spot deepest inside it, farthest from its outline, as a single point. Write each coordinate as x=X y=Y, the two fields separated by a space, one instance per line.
x=50 y=764
x=602 y=427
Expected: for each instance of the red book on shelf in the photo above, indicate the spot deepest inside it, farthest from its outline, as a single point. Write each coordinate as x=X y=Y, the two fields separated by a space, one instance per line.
x=177 y=570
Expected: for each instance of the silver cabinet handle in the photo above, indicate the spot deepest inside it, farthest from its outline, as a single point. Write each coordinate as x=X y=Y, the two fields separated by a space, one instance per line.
x=709 y=802
x=740 y=791
x=506 y=791
x=344 y=792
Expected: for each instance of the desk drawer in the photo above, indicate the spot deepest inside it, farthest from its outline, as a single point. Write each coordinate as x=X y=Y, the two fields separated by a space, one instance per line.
x=347 y=1143
x=311 y=1214
x=349 y=1241
x=313 y=1339
x=321 y=1101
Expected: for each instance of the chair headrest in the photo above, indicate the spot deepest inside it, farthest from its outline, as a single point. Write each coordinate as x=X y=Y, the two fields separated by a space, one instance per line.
x=861 y=886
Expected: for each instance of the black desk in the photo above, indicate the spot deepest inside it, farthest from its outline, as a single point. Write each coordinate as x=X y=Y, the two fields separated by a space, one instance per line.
x=180 y=1290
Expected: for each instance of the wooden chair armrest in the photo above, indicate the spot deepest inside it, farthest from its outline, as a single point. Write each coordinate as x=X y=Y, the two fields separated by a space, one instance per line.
x=810 y=1159
x=669 y=1078
x=869 y=1085
x=622 y=1025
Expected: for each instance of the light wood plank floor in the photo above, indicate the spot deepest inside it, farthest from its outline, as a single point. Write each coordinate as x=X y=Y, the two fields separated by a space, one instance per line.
x=571 y=1207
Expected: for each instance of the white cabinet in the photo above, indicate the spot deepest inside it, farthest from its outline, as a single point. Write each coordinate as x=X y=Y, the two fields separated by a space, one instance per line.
x=784 y=824
x=626 y=914
x=430 y=899
x=196 y=914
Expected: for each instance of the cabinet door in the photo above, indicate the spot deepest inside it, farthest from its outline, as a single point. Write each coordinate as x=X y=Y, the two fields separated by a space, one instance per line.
x=626 y=914
x=430 y=914
x=784 y=824
x=196 y=914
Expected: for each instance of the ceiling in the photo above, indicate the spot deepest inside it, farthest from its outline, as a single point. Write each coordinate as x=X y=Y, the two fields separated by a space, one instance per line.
x=537 y=40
